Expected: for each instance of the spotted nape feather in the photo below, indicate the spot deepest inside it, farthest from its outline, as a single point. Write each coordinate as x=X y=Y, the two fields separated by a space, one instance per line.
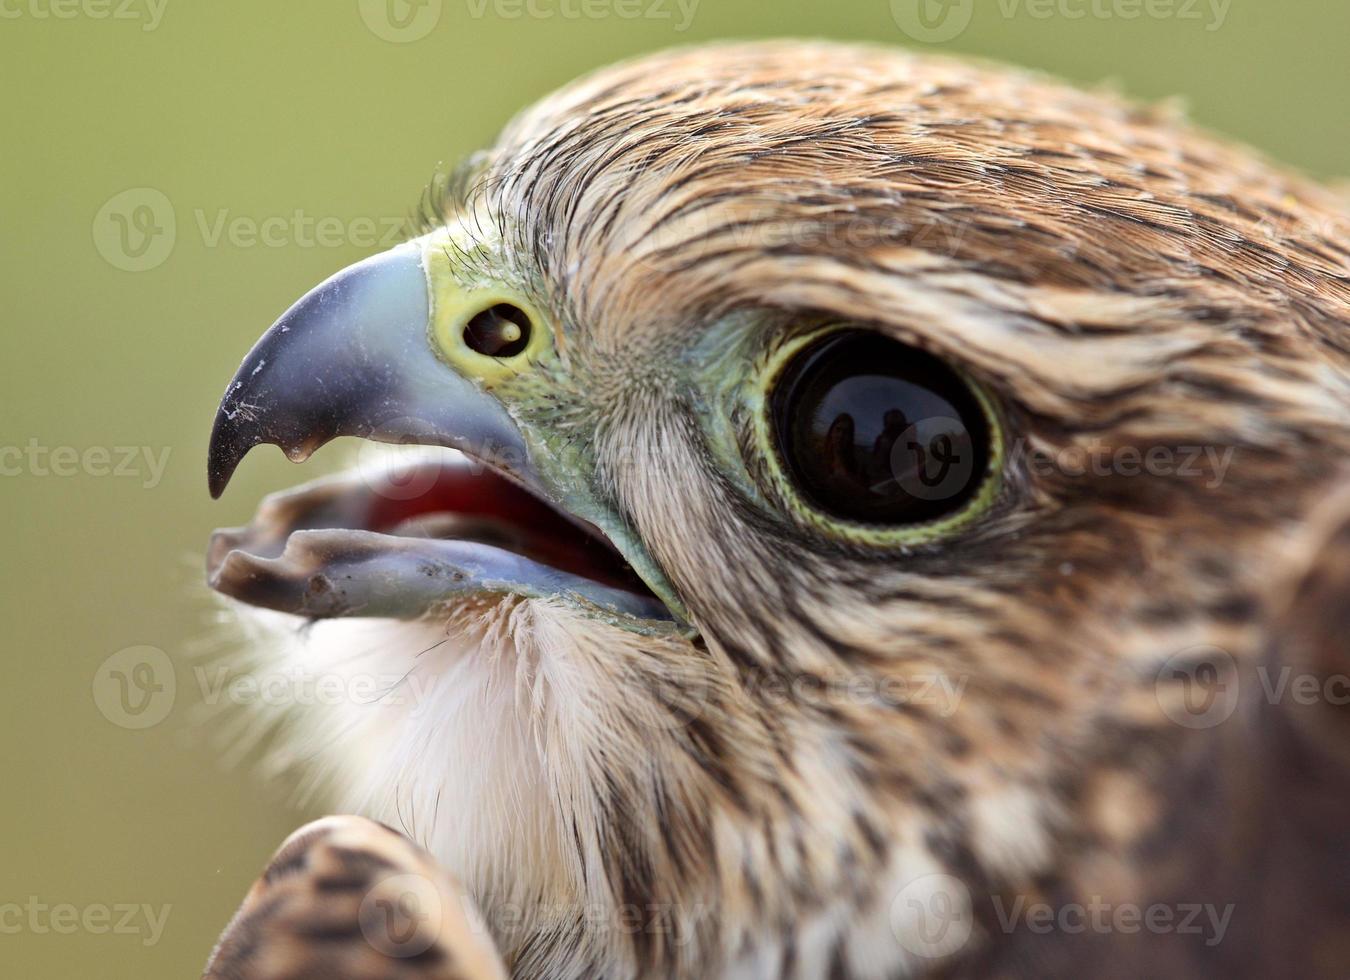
x=345 y=898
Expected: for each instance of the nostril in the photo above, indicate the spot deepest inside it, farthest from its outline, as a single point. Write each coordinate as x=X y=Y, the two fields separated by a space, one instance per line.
x=502 y=330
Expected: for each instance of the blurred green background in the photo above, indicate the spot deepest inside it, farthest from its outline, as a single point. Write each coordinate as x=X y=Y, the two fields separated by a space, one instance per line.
x=264 y=146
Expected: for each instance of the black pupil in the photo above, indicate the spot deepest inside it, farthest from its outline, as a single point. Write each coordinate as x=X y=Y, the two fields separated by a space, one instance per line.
x=501 y=331
x=878 y=432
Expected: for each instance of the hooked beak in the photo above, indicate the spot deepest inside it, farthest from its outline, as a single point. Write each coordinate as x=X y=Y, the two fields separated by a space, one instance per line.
x=352 y=358
x=355 y=357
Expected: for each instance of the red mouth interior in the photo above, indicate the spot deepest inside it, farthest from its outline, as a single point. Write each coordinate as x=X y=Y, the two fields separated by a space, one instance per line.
x=466 y=500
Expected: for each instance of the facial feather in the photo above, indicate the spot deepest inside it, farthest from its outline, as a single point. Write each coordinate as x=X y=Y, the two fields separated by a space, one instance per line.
x=853 y=719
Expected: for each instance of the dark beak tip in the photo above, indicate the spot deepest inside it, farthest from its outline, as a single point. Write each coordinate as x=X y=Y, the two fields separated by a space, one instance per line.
x=231 y=440
x=220 y=464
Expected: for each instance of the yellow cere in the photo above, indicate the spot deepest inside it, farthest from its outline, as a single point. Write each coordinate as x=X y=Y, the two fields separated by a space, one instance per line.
x=454 y=302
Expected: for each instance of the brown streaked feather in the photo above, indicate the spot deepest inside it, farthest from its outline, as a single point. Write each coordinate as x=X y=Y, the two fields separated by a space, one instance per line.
x=1116 y=279
x=347 y=898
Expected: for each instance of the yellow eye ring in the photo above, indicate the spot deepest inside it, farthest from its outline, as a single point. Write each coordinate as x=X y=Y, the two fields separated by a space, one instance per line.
x=466 y=324
x=488 y=332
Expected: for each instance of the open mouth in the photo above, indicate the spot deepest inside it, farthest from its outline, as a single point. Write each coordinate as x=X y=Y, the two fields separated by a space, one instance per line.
x=405 y=541
x=487 y=511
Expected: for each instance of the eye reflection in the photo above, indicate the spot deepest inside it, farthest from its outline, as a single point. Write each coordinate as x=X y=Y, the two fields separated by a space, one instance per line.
x=875 y=431
x=501 y=331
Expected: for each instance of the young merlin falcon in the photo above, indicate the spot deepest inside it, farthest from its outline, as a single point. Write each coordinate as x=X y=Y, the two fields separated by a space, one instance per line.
x=890 y=521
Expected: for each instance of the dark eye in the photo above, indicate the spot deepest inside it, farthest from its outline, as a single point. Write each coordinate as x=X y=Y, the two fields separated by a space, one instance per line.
x=874 y=431
x=500 y=331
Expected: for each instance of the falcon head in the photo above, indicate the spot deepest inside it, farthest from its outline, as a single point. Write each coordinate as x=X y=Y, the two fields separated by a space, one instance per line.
x=848 y=460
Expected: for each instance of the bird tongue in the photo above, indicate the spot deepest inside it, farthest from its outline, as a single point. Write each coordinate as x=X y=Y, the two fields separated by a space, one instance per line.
x=400 y=542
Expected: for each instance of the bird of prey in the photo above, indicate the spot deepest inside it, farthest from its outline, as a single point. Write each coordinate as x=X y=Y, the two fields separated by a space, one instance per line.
x=883 y=516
